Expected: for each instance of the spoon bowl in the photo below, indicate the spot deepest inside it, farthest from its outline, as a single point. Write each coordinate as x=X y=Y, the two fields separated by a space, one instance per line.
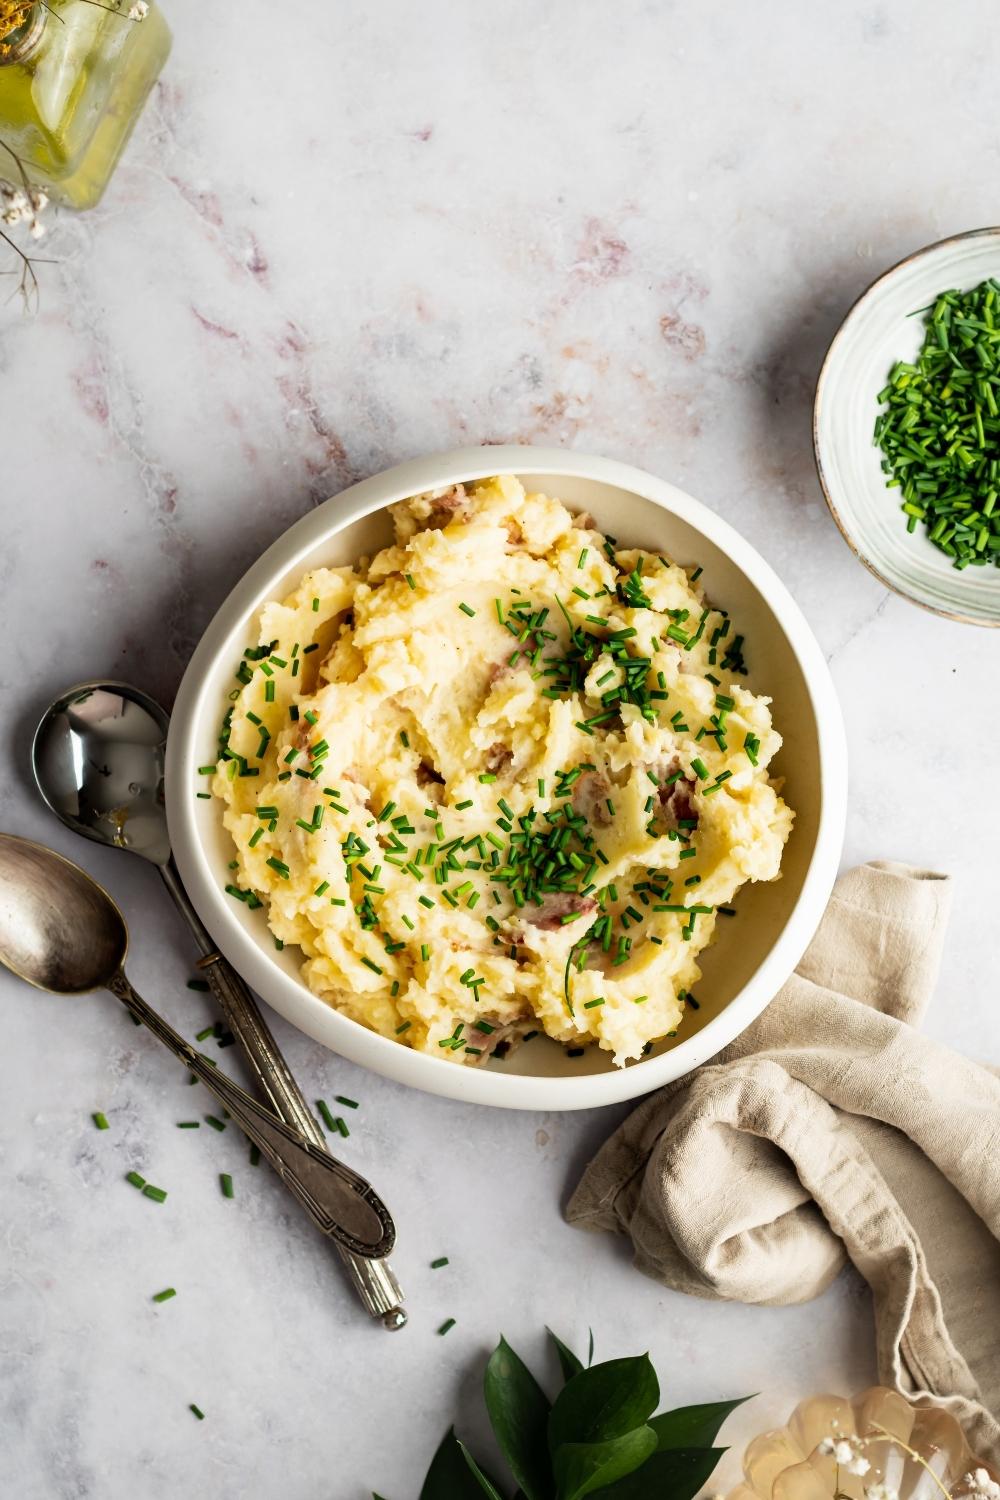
x=97 y=759
x=59 y=930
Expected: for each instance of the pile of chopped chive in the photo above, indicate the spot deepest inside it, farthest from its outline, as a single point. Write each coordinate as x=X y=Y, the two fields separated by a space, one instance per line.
x=939 y=431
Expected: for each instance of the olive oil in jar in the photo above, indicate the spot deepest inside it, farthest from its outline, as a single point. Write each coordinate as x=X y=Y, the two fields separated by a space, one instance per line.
x=74 y=77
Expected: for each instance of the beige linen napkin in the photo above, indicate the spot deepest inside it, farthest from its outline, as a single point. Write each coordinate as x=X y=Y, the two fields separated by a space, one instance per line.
x=833 y=1130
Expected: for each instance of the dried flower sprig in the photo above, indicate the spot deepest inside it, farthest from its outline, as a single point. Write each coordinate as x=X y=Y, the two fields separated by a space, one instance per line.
x=13 y=15
x=849 y=1453
x=137 y=11
x=21 y=205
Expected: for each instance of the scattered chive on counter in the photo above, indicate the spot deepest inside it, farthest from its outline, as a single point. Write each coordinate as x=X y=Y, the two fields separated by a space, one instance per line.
x=446 y=1326
x=226 y=1184
x=197 y=1411
x=436 y=1265
x=101 y=1121
x=939 y=430
x=165 y=1295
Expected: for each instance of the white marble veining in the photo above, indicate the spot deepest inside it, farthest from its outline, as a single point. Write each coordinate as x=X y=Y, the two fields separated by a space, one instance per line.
x=345 y=234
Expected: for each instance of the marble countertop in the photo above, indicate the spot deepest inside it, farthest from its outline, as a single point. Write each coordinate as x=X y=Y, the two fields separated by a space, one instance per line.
x=333 y=244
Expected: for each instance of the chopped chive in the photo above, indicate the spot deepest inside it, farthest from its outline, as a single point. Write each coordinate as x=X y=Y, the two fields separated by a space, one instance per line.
x=101 y=1121
x=165 y=1295
x=188 y=1124
x=215 y=1123
x=467 y=610
x=325 y=1115
x=158 y=1195
x=342 y=1126
x=226 y=1184
x=197 y=1411
x=135 y=1179
x=347 y=1103
x=446 y=1326
x=436 y=1265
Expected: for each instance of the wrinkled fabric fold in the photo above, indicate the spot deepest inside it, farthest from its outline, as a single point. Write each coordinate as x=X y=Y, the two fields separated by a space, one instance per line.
x=832 y=1130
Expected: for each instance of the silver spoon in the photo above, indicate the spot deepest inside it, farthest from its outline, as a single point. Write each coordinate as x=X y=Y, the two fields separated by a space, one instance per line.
x=97 y=759
x=62 y=932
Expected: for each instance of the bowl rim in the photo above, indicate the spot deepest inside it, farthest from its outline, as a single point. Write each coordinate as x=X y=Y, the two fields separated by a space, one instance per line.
x=869 y=292
x=290 y=996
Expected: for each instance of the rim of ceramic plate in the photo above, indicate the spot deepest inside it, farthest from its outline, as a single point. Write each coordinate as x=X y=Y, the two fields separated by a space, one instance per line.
x=870 y=291
x=290 y=996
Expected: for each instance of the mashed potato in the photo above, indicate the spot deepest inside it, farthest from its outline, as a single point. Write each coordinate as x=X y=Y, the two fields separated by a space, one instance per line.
x=499 y=779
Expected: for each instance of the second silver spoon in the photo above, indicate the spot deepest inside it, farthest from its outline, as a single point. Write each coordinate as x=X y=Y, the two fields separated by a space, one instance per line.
x=97 y=759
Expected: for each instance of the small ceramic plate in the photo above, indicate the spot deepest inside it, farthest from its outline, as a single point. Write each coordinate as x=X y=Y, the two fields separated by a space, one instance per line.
x=879 y=330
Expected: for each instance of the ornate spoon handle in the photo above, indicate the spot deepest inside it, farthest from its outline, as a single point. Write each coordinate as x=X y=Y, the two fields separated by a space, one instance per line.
x=373 y=1279
x=340 y=1203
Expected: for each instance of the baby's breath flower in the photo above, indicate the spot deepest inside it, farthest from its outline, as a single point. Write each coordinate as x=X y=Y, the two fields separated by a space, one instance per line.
x=980 y=1483
x=880 y=1492
x=139 y=11
x=848 y=1452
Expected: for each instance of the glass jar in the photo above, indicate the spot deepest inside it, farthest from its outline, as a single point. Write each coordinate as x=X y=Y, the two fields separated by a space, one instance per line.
x=74 y=77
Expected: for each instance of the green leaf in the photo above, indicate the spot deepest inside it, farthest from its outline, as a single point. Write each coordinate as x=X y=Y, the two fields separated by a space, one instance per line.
x=693 y=1426
x=450 y=1476
x=607 y=1401
x=519 y=1415
x=568 y=1362
x=677 y=1472
x=485 y=1483
x=581 y=1468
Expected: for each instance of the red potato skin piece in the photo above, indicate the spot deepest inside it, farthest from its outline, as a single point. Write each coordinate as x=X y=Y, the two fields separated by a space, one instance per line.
x=548 y=915
x=590 y=798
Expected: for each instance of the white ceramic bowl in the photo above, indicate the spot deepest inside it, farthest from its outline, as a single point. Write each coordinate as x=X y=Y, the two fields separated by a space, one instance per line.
x=878 y=331
x=755 y=952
